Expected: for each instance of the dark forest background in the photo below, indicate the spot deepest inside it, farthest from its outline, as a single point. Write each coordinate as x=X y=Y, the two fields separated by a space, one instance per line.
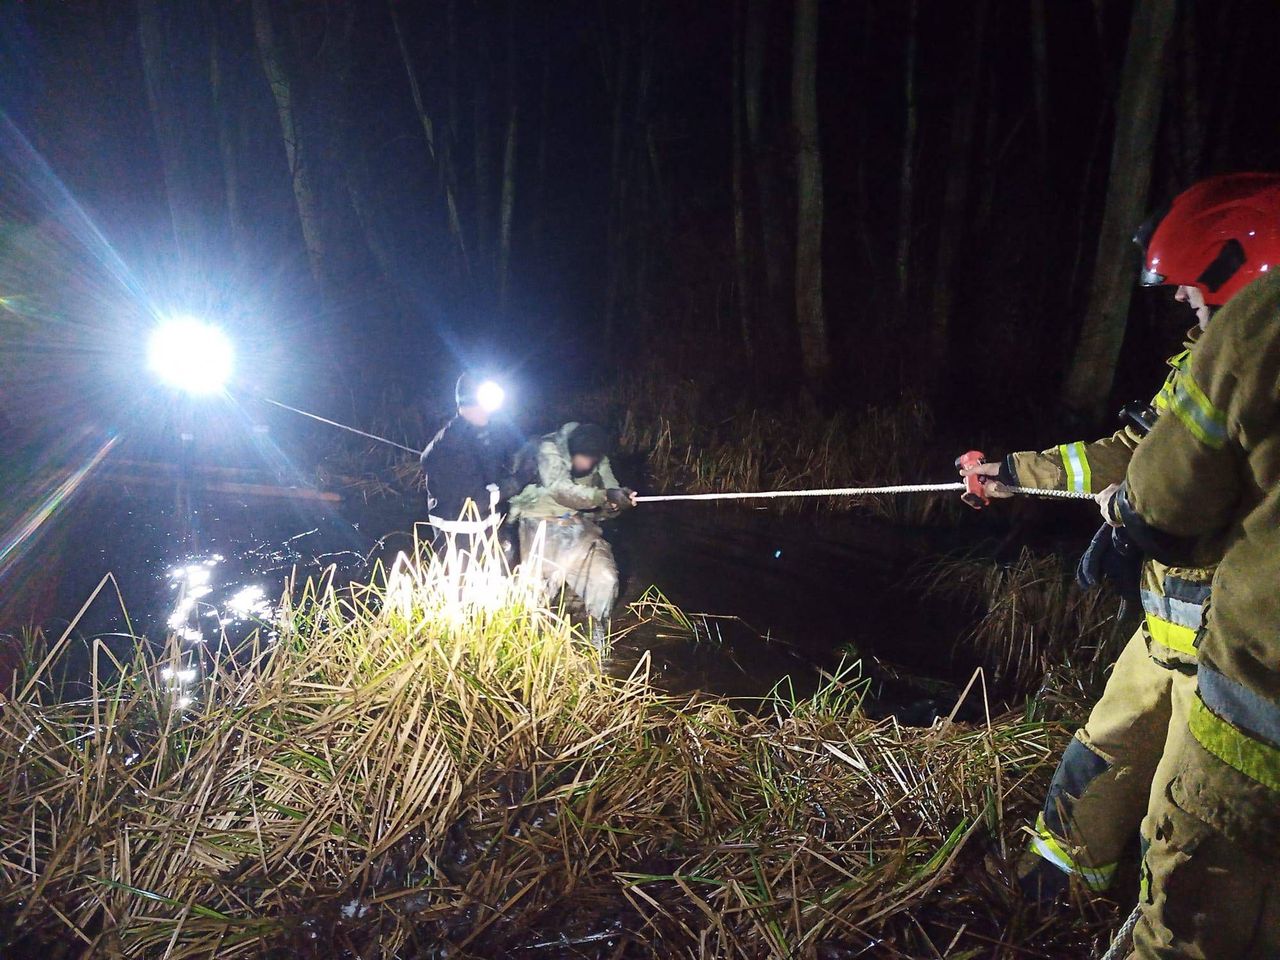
x=847 y=200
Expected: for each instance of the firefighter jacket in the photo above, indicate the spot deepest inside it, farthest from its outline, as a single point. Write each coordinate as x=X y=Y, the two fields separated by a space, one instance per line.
x=1205 y=484
x=557 y=492
x=1173 y=598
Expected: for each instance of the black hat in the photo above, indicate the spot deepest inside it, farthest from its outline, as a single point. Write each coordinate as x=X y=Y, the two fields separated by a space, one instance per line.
x=589 y=439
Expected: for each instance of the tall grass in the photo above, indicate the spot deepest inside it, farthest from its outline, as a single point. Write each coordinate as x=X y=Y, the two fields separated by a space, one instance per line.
x=694 y=443
x=1034 y=621
x=434 y=765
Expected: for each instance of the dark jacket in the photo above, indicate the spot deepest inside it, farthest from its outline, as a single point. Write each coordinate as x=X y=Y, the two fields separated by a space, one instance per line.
x=461 y=462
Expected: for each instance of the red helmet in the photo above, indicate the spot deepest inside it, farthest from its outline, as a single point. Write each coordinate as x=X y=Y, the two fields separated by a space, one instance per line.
x=1219 y=235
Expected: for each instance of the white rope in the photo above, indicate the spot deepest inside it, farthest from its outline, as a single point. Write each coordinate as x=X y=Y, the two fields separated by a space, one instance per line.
x=860 y=492
x=1120 y=944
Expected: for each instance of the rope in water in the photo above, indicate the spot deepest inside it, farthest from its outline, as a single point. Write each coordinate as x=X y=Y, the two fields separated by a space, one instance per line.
x=859 y=492
x=1123 y=936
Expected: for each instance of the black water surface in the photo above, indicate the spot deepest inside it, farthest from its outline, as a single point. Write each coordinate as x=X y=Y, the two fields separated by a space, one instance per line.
x=787 y=596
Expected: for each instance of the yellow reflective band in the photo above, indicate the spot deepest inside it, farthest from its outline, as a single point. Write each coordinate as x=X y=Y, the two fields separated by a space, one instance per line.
x=1046 y=846
x=1256 y=760
x=1161 y=400
x=1189 y=404
x=1172 y=635
x=1076 y=464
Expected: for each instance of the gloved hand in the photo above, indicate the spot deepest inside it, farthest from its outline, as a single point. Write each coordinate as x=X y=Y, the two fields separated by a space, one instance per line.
x=1111 y=556
x=618 y=499
x=995 y=479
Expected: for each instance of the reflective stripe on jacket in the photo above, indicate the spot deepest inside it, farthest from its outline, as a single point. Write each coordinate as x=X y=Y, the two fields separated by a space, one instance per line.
x=1173 y=598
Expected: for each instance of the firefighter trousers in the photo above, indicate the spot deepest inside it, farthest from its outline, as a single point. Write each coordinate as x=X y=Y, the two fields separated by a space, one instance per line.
x=1203 y=896
x=1113 y=767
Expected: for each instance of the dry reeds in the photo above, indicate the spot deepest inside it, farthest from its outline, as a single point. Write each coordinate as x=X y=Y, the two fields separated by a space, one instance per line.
x=1035 y=621
x=692 y=445
x=435 y=765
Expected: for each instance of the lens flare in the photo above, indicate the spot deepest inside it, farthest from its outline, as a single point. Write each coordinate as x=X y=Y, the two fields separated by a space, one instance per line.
x=190 y=355
x=490 y=396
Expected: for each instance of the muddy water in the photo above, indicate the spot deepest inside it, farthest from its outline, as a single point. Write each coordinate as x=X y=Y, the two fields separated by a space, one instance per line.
x=787 y=597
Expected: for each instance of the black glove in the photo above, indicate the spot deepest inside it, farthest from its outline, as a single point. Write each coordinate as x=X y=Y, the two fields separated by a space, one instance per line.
x=1111 y=556
x=618 y=499
x=508 y=487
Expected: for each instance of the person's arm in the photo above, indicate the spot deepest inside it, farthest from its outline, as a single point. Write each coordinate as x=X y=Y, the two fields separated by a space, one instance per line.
x=1080 y=466
x=606 y=474
x=556 y=478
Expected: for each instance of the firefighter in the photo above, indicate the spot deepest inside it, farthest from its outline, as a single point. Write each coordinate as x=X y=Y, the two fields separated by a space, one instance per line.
x=559 y=518
x=1102 y=786
x=1205 y=487
x=467 y=467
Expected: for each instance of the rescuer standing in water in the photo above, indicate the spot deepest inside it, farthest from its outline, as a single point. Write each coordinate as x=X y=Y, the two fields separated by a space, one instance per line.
x=468 y=468
x=575 y=489
x=1205 y=487
x=1118 y=762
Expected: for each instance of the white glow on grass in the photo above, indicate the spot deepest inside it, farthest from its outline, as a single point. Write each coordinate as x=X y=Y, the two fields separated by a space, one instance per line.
x=490 y=396
x=193 y=356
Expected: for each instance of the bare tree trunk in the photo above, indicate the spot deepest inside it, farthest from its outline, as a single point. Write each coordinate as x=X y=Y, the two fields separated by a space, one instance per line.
x=482 y=141
x=741 y=271
x=299 y=170
x=167 y=122
x=226 y=141
x=618 y=176
x=956 y=191
x=766 y=195
x=544 y=117
x=1192 y=114
x=507 y=201
x=862 y=204
x=428 y=129
x=906 y=182
x=1093 y=366
x=1040 y=77
x=810 y=316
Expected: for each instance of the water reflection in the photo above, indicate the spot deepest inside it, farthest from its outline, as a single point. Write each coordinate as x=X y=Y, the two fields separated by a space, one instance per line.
x=210 y=607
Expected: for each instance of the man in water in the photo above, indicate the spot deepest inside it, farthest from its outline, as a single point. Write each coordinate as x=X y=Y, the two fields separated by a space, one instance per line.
x=575 y=489
x=468 y=468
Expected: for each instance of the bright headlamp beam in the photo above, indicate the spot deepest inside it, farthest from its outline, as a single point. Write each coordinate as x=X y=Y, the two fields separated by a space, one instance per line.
x=490 y=396
x=192 y=356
